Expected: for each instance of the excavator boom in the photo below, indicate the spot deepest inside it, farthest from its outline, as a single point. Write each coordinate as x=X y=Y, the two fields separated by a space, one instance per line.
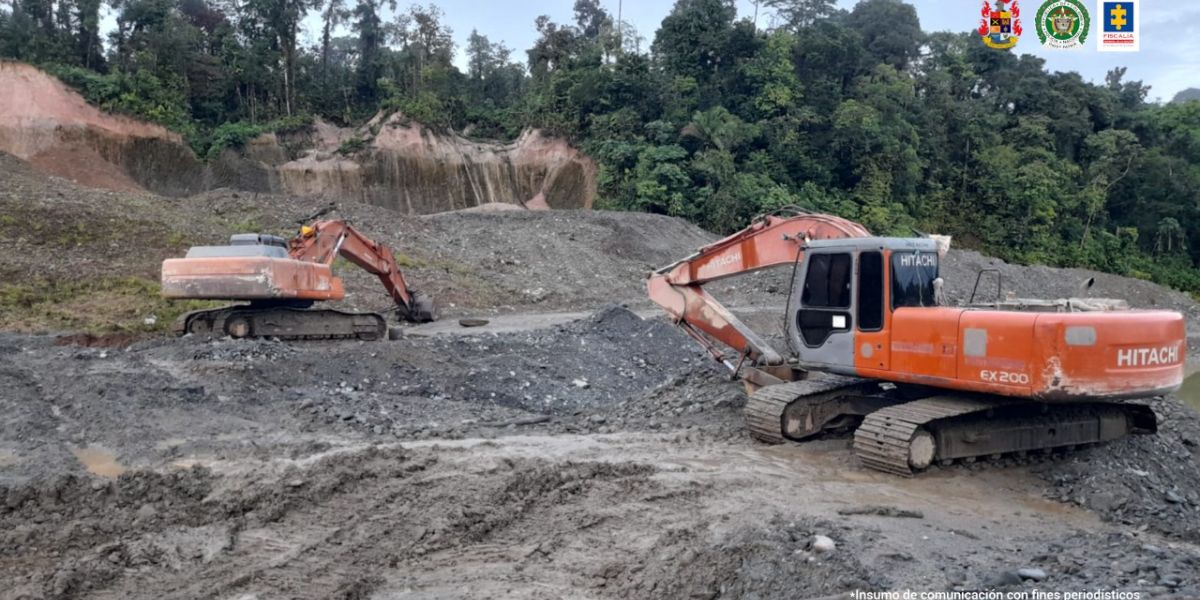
x=324 y=241
x=770 y=241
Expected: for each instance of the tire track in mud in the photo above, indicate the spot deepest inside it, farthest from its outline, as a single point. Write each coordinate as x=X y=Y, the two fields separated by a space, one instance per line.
x=339 y=528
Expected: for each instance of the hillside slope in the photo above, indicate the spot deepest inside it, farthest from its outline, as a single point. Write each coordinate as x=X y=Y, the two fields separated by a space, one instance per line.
x=81 y=258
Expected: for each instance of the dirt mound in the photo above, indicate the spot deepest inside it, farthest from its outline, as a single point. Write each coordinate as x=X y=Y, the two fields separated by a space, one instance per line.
x=1148 y=480
x=608 y=372
x=612 y=372
x=491 y=207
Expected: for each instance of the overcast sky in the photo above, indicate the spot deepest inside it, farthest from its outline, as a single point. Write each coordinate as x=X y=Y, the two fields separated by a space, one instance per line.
x=1169 y=60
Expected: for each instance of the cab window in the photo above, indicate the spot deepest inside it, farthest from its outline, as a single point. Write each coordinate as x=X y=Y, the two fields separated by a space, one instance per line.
x=827 y=284
x=912 y=278
x=870 y=291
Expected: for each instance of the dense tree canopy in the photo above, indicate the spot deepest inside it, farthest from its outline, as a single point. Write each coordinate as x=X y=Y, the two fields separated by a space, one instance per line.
x=856 y=112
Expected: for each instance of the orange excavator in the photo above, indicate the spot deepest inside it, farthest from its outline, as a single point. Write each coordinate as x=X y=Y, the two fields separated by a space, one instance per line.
x=282 y=280
x=874 y=348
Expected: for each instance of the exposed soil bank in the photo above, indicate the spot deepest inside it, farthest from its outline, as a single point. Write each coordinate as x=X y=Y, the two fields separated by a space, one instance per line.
x=401 y=165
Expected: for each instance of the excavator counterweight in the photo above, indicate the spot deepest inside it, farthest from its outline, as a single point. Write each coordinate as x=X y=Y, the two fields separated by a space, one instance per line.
x=281 y=280
x=918 y=381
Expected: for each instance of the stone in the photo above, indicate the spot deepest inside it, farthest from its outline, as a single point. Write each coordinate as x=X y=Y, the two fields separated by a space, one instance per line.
x=147 y=511
x=823 y=544
x=1003 y=579
x=1030 y=573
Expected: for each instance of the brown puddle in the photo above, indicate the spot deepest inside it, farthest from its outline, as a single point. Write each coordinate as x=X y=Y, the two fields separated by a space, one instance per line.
x=1190 y=392
x=99 y=461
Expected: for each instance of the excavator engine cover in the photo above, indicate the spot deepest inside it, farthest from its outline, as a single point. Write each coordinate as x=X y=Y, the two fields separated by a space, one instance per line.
x=252 y=267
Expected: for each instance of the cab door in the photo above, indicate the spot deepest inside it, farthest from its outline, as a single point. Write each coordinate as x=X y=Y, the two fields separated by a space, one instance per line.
x=822 y=326
x=873 y=347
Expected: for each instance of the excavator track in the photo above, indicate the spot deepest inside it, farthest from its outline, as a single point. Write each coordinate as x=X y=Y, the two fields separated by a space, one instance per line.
x=283 y=322
x=802 y=409
x=906 y=438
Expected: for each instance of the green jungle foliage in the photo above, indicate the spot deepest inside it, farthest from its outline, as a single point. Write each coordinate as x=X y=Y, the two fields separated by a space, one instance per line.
x=713 y=119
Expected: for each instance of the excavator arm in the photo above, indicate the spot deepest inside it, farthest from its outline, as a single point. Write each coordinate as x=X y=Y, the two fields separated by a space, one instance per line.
x=770 y=241
x=324 y=241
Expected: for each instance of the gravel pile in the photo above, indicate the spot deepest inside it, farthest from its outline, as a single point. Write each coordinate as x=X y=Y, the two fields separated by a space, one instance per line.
x=612 y=371
x=1113 y=561
x=1148 y=481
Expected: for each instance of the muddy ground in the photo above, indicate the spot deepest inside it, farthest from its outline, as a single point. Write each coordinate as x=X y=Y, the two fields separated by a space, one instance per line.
x=571 y=448
x=582 y=460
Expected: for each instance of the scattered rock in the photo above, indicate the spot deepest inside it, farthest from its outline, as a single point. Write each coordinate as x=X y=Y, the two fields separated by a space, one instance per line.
x=1031 y=573
x=1003 y=579
x=146 y=511
x=823 y=544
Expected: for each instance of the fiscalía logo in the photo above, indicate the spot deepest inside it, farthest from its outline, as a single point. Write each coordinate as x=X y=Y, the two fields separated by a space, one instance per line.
x=1001 y=27
x=1063 y=24
x=1120 y=26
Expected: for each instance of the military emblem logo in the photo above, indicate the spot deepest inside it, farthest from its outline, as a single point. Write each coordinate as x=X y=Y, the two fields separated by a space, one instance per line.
x=1063 y=24
x=1001 y=27
x=1120 y=26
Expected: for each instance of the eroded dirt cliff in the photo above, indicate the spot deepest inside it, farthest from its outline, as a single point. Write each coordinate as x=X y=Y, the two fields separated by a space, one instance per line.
x=392 y=162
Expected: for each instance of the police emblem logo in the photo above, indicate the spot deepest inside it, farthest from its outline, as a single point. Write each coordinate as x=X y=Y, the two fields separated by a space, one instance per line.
x=1001 y=26
x=1063 y=24
x=1119 y=30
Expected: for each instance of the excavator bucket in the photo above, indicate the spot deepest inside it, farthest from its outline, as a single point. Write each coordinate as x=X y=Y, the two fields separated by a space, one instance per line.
x=423 y=310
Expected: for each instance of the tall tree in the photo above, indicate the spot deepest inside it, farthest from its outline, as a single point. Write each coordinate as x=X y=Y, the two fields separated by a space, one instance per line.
x=692 y=39
x=280 y=21
x=890 y=30
x=88 y=34
x=371 y=40
x=332 y=15
x=797 y=14
x=591 y=18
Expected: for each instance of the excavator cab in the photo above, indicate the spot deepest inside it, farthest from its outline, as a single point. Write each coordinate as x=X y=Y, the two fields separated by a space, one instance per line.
x=844 y=292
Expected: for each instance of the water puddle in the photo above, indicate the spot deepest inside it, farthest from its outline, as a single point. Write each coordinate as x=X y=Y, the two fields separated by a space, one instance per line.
x=1190 y=392
x=98 y=460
